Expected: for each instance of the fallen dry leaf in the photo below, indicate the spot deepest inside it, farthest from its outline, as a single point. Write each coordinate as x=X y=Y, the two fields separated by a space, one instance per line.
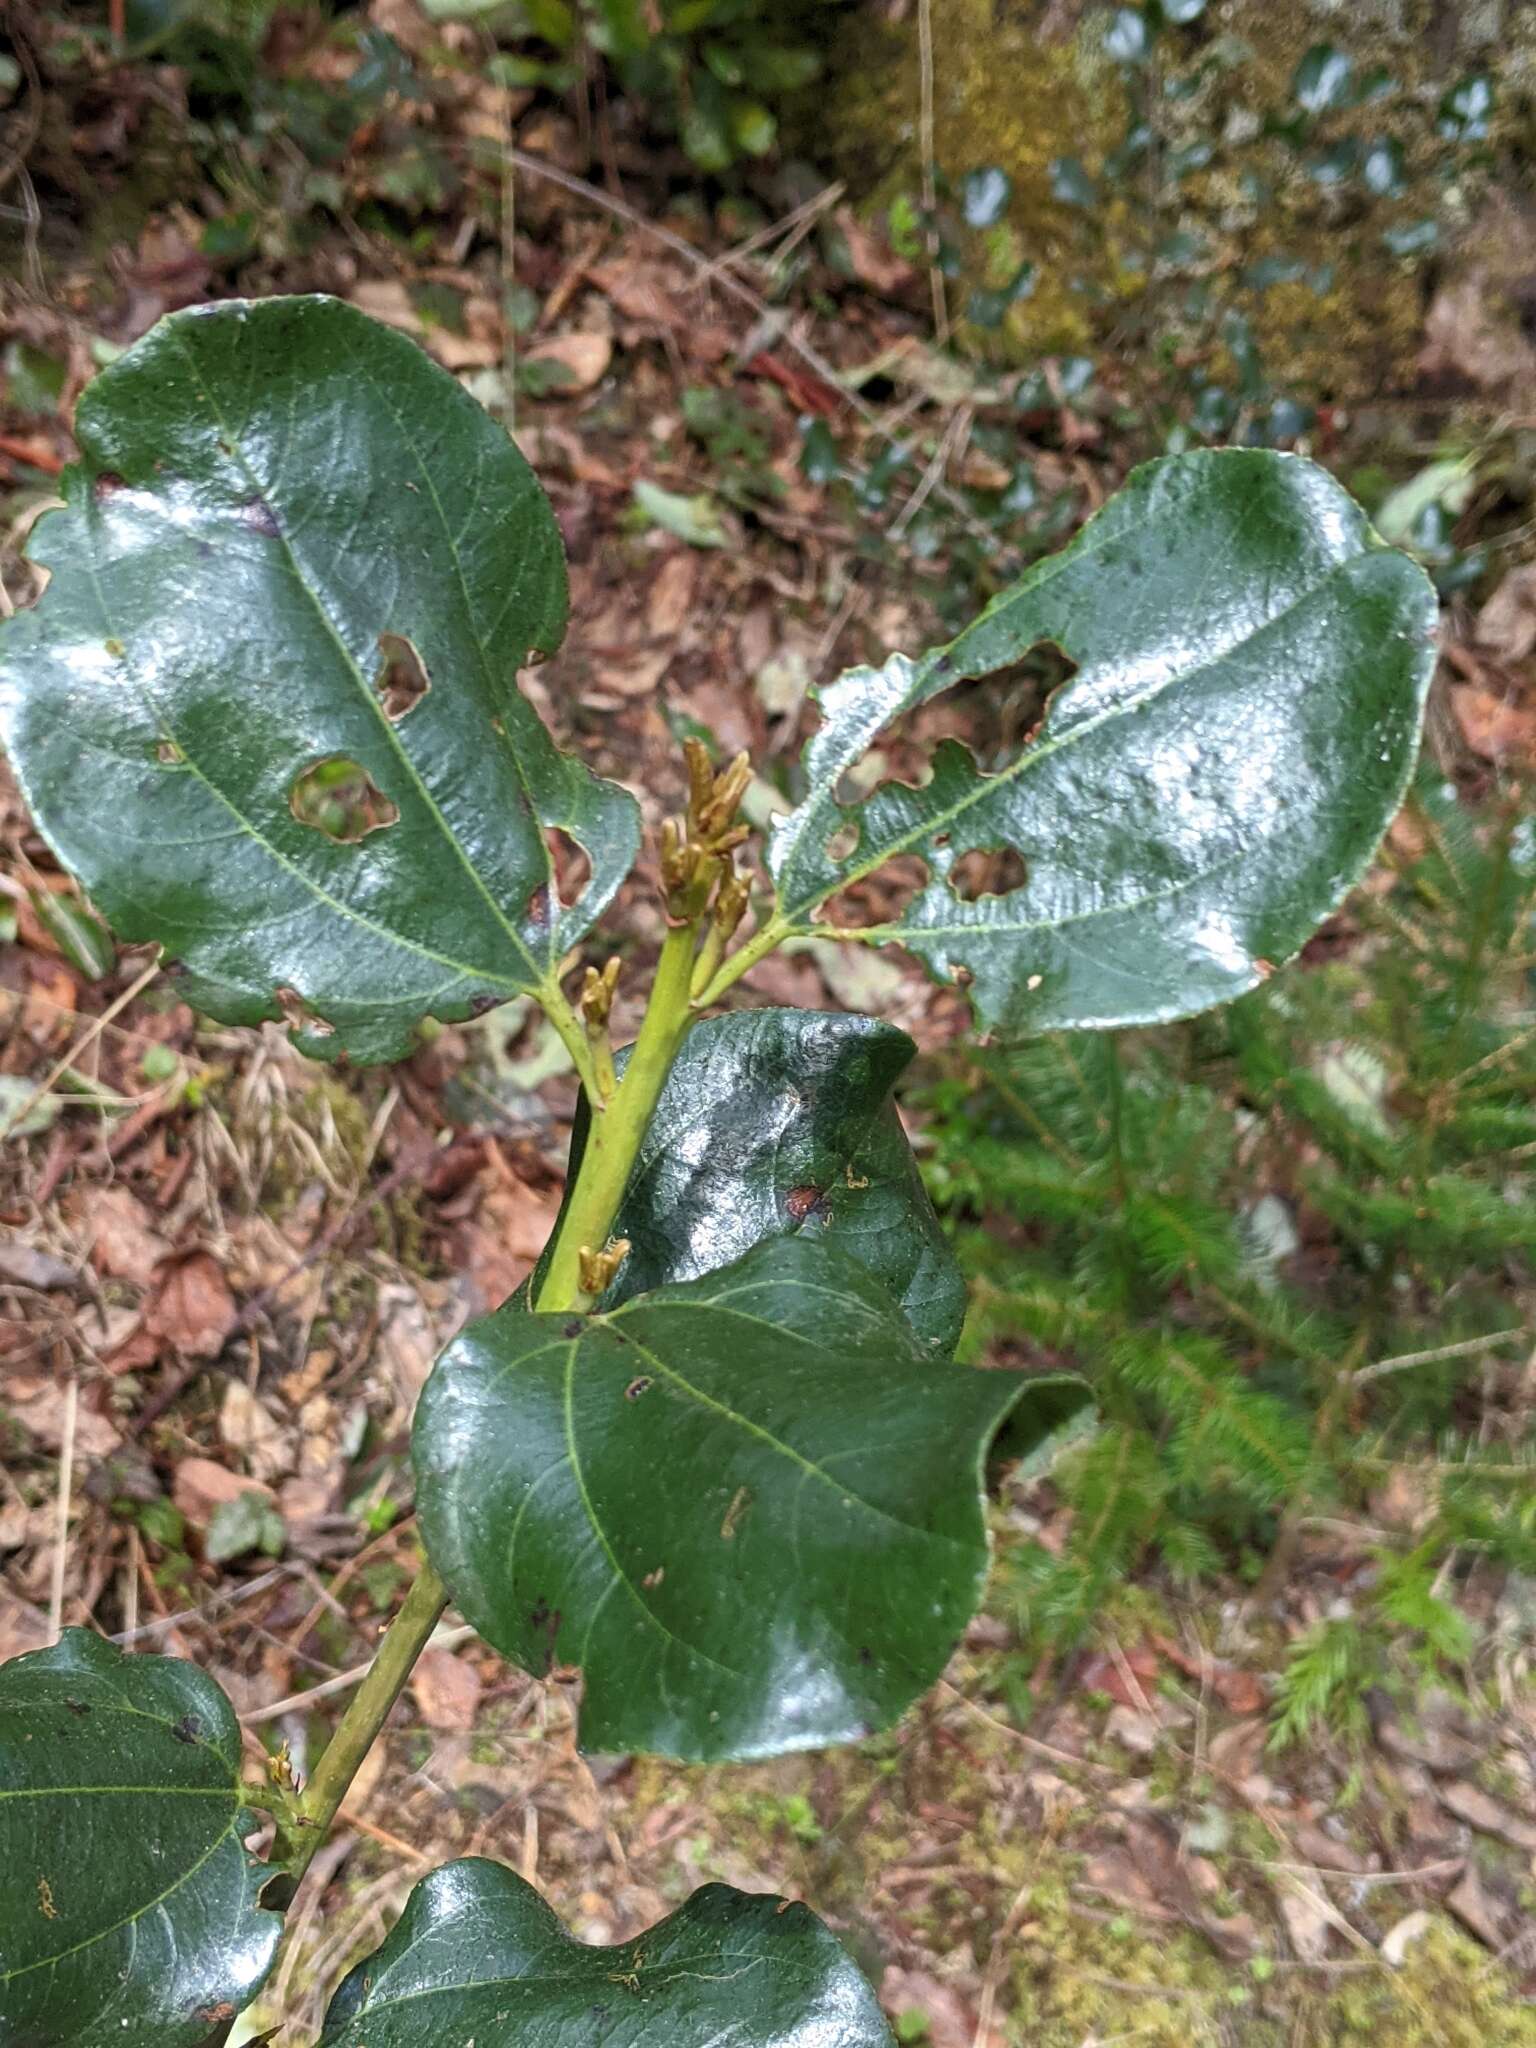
x=37 y=1402
x=873 y=261
x=447 y=1690
x=124 y=1245
x=253 y=1432
x=407 y=1343
x=584 y=355
x=1488 y=1816
x=23 y=1265
x=671 y=594
x=1478 y=1910
x=1495 y=723
x=1506 y=625
x=951 y=2021
x=641 y=291
x=22 y=1628
x=192 y=1308
x=1305 y=1913
x=200 y=1486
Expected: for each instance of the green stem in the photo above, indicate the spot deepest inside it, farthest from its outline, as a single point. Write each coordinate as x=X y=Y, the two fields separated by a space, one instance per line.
x=613 y=1141
x=758 y=947
x=404 y=1640
x=572 y=1034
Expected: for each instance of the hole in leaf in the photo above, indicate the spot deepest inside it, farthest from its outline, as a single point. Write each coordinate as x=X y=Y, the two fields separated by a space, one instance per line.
x=879 y=898
x=843 y=841
x=995 y=715
x=987 y=871
x=297 y=1014
x=402 y=680
x=337 y=797
x=573 y=870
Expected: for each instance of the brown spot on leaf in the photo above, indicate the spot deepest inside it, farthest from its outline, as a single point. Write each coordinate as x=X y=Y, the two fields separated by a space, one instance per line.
x=741 y=1500
x=258 y=515
x=801 y=1201
x=106 y=484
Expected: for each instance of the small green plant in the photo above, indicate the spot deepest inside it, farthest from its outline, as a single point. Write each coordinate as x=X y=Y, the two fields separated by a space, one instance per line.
x=717 y=1454
x=1278 y=1241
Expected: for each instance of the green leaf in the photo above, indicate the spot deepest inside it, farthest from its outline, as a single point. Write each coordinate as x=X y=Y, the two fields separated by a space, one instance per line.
x=267 y=707
x=984 y=195
x=1323 y=78
x=749 y=1506
x=1129 y=36
x=239 y=1526
x=478 y=1956
x=695 y=520
x=128 y=1903
x=780 y=1123
x=1252 y=663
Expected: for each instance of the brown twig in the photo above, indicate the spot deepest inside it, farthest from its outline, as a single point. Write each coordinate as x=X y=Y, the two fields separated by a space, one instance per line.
x=61 y=1523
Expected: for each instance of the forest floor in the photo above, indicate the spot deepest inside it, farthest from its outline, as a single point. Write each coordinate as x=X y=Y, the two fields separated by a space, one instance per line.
x=224 y=1272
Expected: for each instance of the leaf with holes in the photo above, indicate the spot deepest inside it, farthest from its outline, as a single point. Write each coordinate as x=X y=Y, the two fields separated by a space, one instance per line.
x=478 y=1956
x=1251 y=669
x=267 y=707
x=778 y=1123
x=748 y=1506
x=129 y=1913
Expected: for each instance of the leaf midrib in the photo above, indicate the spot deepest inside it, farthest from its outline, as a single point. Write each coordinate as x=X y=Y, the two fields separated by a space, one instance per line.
x=537 y=969
x=587 y=1981
x=756 y=1429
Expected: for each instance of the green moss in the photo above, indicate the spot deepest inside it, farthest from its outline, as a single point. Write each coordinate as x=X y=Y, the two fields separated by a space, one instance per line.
x=1003 y=97
x=1346 y=328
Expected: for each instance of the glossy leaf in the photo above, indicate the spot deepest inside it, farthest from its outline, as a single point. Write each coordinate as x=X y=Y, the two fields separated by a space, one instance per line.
x=128 y=1902
x=1252 y=663
x=1323 y=78
x=780 y=1123
x=748 y=1506
x=285 y=511
x=478 y=1956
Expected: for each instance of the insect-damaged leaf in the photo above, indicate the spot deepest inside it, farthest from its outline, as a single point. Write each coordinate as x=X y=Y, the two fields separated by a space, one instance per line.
x=748 y=1506
x=128 y=1902
x=478 y=1956
x=780 y=1123
x=1252 y=664
x=267 y=709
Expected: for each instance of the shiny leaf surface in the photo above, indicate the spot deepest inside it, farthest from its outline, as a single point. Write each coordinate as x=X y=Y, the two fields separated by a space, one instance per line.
x=1252 y=665
x=128 y=1903
x=478 y=1956
x=748 y=1506
x=267 y=708
x=780 y=1123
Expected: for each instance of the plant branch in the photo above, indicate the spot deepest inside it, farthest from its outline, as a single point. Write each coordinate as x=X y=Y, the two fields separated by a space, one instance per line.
x=404 y=1640
x=742 y=961
x=617 y=1129
x=572 y=1034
